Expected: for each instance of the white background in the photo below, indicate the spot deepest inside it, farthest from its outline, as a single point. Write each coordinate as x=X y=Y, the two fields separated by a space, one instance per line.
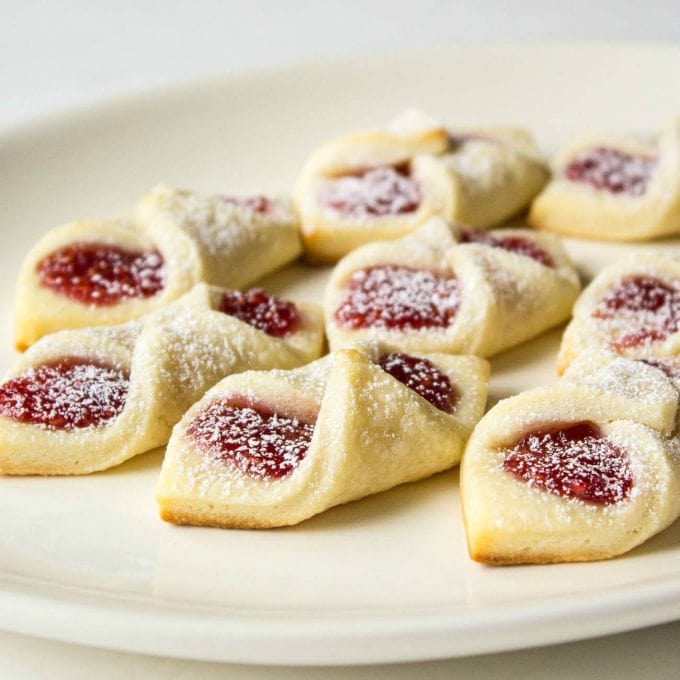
x=59 y=54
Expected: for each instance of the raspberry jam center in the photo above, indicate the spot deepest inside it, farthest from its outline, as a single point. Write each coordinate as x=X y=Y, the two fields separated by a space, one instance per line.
x=423 y=377
x=267 y=313
x=515 y=244
x=398 y=297
x=375 y=192
x=258 y=204
x=612 y=170
x=102 y=274
x=68 y=394
x=252 y=437
x=643 y=309
x=572 y=461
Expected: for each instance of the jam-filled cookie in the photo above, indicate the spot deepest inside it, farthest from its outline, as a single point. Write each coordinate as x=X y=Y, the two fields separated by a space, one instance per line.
x=632 y=307
x=101 y=273
x=267 y=449
x=447 y=289
x=385 y=183
x=87 y=399
x=584 y=470
x=614 y=187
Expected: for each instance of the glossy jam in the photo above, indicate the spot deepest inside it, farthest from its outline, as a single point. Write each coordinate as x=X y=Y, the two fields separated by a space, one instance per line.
x=376 y=192
x=643 y=309
x=270 y=314
x=612 y=170
x=72 y=393
x=258 y=204
x=572 y=461
x=398 y=298
x=252 y=437
x=423 y=377
x=102 y=274
x=515 y=244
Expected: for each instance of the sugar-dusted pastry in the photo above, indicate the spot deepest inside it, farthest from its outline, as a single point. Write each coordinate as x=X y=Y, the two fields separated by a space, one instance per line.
x=385 y=183
x=112 y=271
x=444 y=289
x=614 y=187
x=495 y=173
x=584 y=470
x=631 y=307
x=267 y=449
x=88 y=399
x=379 y=184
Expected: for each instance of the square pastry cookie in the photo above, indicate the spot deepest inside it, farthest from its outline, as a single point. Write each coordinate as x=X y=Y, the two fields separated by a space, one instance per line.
x=447 y=289
x=383 y=184
x=92 y=273
x=614 y=187
x=272 y=448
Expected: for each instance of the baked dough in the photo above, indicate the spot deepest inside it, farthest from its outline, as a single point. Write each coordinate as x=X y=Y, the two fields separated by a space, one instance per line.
x=364 y=432
x=495 y=172
x=385 y=183
x=138 y=379
x=614 y=187
x=631 y=307
x=498 y=298
x=533 y=495
x=215 y=239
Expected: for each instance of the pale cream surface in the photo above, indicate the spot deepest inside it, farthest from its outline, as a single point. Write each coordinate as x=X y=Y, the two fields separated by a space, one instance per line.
x=67 y=550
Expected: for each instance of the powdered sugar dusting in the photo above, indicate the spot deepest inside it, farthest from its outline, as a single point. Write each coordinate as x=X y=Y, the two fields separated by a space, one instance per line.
x=423 y=377
x=573 y=461
x=102 y=274
x=612 y=170
x=513 y=243
x=259 y=204
x=251 y=437
x=71 y=393
x=640 y=310
x=669 y=365
x=372 y=193
x=399 y=297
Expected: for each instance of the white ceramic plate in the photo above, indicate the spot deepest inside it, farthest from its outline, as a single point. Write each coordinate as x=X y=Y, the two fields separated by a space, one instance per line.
x=383 y=579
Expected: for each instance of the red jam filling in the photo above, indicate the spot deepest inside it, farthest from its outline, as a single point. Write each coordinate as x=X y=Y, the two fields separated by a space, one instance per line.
x=612 y=170
x=258 y=204
x=267 y=313
x=102 y=274
x=423 y=377
x=251 y=437
x=572 y=461
x=669 y=365
x=644 y=308
x=68 y=394
x=515 y=244
x=397 y=298
x=375 y=192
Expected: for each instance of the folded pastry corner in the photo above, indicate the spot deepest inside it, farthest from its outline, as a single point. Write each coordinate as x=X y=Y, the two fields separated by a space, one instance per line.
x=383 y=184
x=449 y=289
x=585 y=470
x=273 y=448
x=107 y=272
